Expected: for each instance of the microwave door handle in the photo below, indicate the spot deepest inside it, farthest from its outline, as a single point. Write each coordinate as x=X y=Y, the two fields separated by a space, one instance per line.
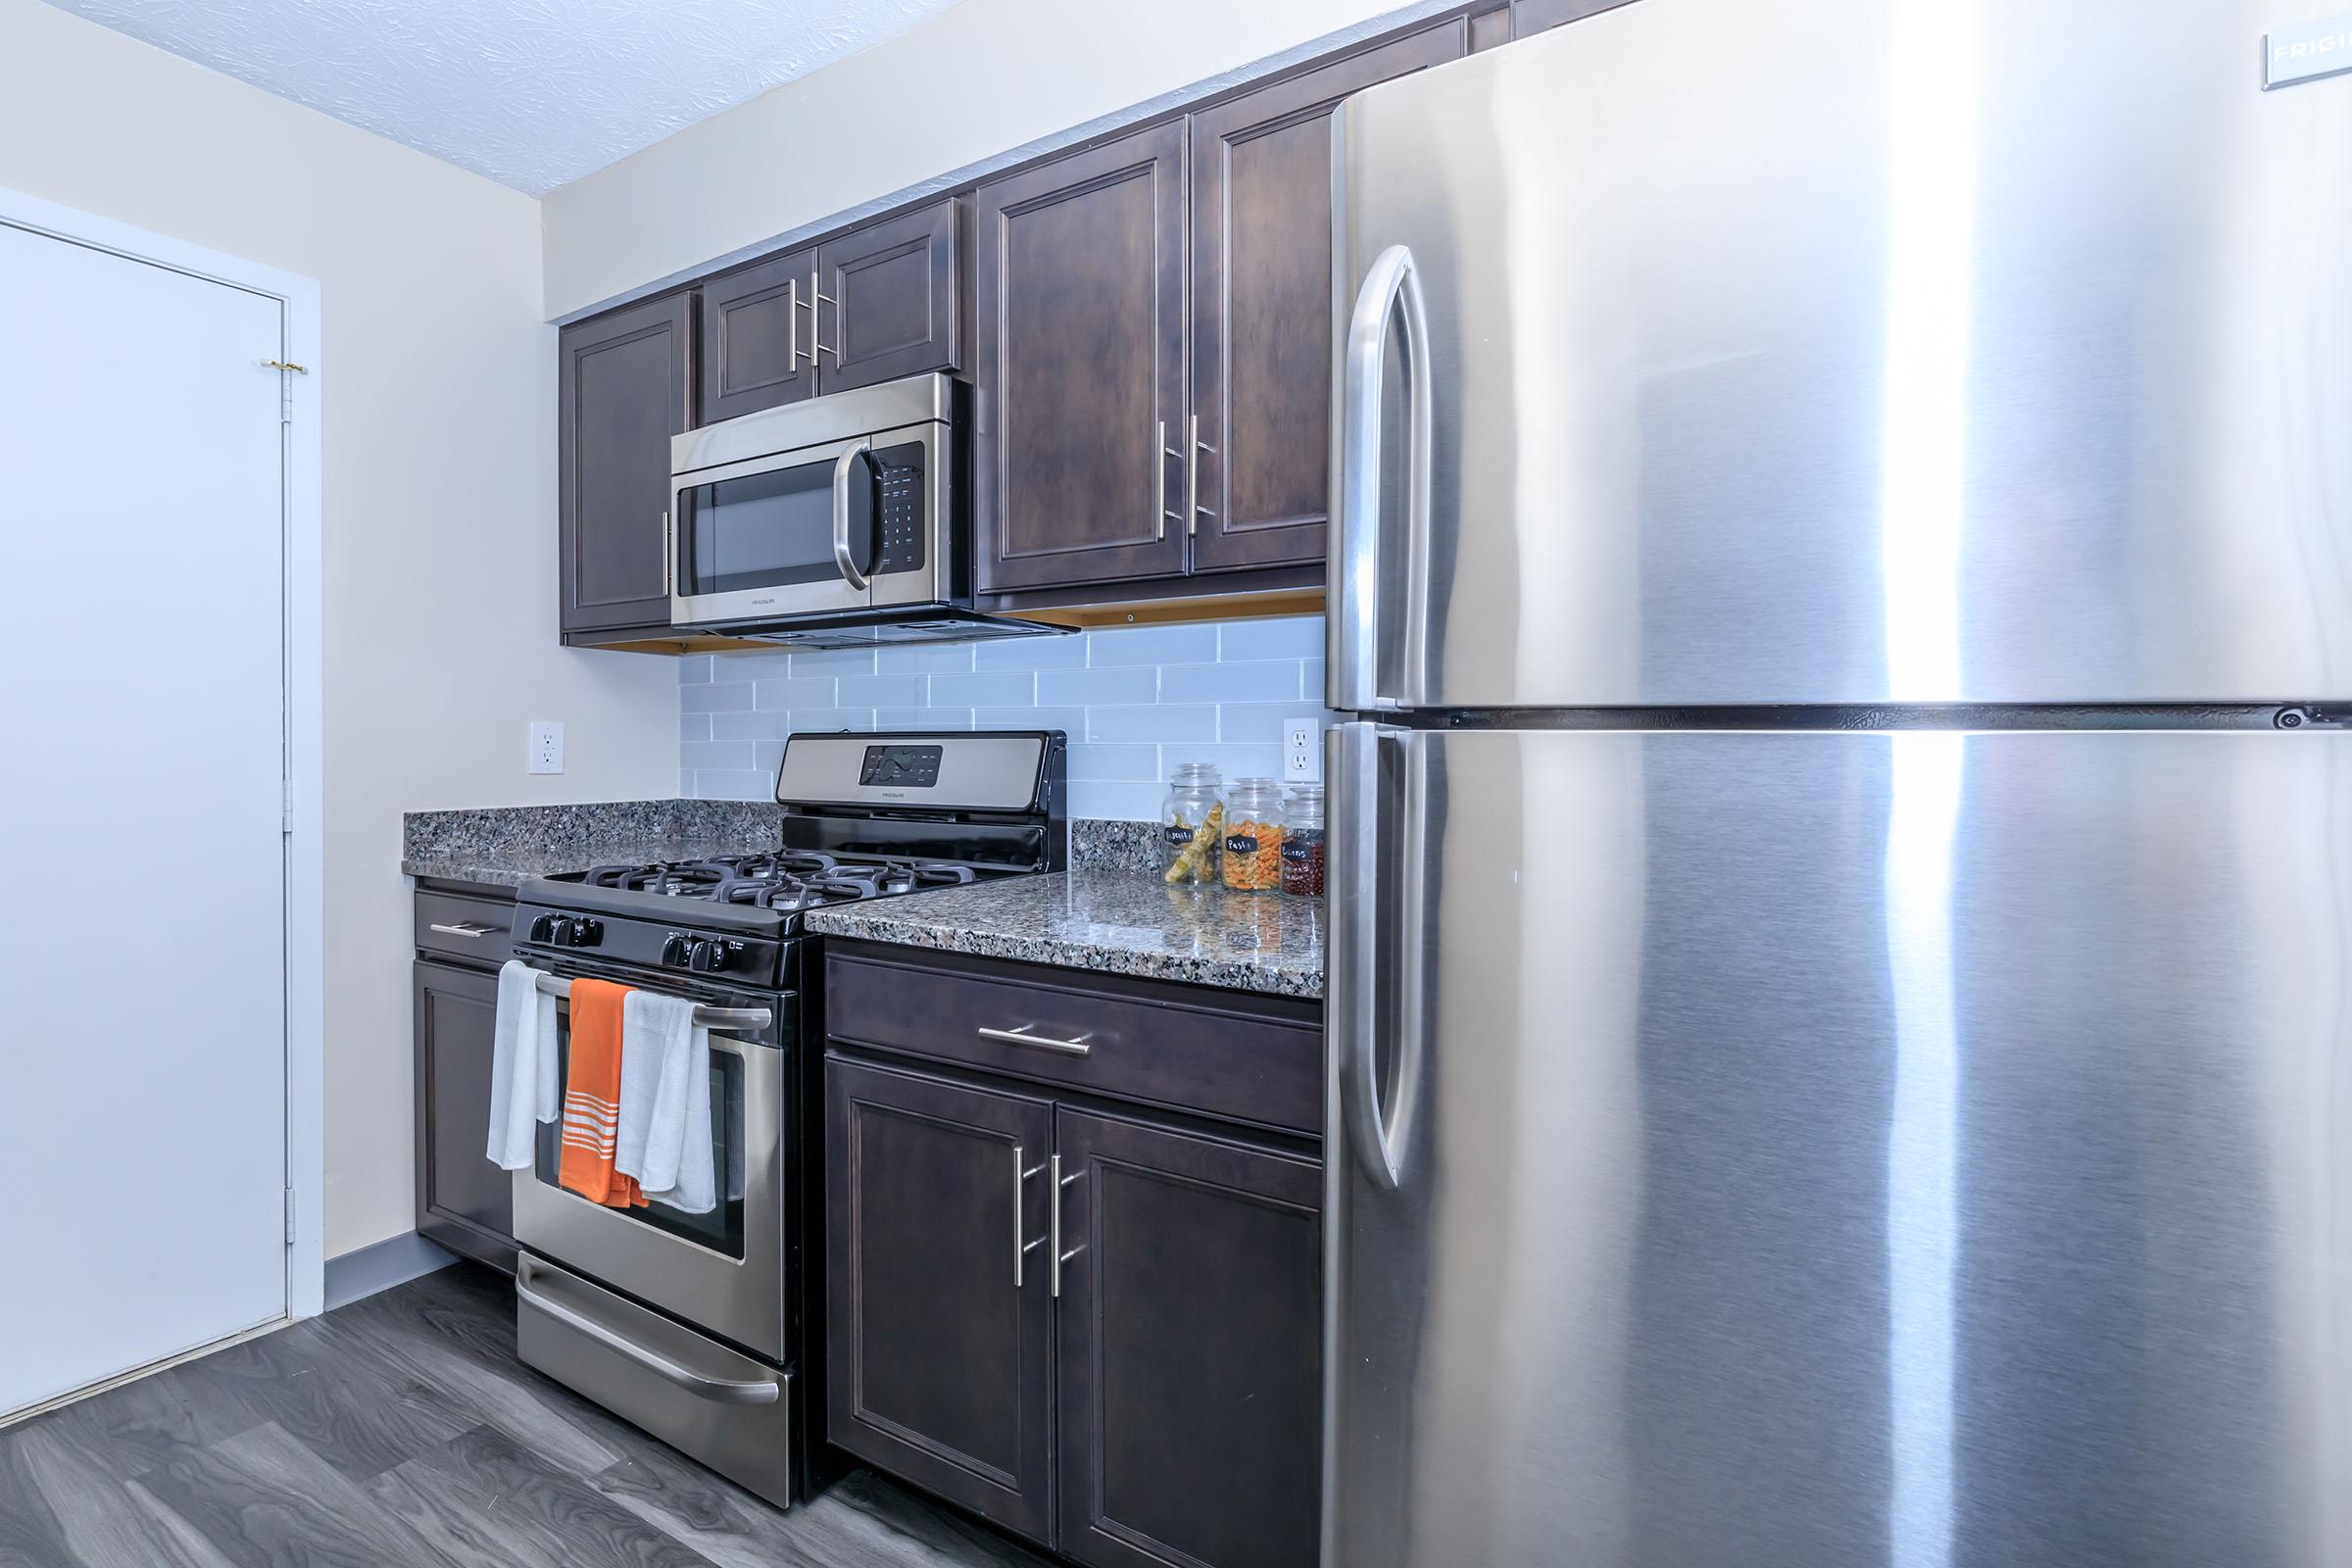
x=841 y=514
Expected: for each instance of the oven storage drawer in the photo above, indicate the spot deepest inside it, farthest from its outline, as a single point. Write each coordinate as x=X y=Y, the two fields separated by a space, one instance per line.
x=1246 y=1058
x=473 y=930
x=706 y=1401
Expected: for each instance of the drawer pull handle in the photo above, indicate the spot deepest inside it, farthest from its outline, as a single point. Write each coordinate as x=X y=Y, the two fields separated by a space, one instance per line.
x=1022 y=1037
x=463 y=928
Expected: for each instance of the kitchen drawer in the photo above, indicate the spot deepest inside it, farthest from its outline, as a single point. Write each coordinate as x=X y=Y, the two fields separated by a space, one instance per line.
x=480 y=930
x=1166 y=1045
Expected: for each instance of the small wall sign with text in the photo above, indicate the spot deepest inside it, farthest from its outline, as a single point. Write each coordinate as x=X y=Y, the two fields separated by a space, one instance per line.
x=2307 y=53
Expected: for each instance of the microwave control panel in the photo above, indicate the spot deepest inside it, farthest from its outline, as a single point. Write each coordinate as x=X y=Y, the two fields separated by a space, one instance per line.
x=899 y=493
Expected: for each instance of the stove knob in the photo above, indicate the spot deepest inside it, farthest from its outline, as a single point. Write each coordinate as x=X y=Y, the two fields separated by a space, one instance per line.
x=587 y=932
x=702 y=956
x=673 y=949
x=543 y=928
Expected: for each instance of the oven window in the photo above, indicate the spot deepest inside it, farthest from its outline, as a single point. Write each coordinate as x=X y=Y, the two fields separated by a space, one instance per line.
x=764 y=530
x=720 y=1230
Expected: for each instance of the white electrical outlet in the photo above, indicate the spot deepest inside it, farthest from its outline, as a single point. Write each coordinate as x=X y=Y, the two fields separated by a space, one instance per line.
x=546 y=746
x=1301 y=750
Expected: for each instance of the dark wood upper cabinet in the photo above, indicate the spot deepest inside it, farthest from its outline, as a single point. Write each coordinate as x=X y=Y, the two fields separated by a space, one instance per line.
x=937 y=1360
x=463 y=1201
x=1190 y=1349
x=759 y=342
x=889 y=299
x=625 y=385
x=1541 y=15
x=1080 y=289
x=1261 y=318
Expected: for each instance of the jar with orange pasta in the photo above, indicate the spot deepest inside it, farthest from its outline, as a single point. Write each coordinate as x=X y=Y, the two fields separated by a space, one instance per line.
x=1253 y=858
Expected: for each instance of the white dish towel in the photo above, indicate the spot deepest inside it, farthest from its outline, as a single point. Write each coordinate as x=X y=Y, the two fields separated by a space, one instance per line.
x=523 y=1087
x=664 y=1136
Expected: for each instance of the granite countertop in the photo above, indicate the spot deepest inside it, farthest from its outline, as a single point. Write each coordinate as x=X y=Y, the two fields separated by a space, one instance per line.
x=506 y=846
x=1111 y=921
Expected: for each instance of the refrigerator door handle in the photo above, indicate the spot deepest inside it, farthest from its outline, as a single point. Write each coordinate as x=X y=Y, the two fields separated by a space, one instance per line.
x=1391 y=289
x=1374 y=1120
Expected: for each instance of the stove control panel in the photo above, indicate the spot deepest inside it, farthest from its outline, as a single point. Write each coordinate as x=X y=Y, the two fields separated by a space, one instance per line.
x=567 y=931
x=700 y=955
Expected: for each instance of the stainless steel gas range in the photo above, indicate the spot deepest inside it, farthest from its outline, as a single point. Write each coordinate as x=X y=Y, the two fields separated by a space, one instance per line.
x=705 y=1328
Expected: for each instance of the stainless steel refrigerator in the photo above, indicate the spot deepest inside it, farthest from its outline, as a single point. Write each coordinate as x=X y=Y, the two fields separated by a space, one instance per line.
x=1840 y=986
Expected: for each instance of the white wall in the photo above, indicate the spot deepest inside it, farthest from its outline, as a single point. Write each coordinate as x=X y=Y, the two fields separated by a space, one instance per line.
x=970 y=86
x=437 y=379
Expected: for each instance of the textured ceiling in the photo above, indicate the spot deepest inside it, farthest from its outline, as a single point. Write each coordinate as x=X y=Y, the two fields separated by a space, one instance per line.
x=533 y=93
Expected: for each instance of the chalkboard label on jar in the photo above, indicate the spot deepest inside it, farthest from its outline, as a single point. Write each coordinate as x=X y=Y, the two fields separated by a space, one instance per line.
x=1297 y=851
x=1177 y=835
x=1240 y=844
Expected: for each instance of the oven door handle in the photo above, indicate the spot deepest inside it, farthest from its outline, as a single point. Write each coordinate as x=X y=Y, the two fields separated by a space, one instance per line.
x=718 y=1391
x=840 y=513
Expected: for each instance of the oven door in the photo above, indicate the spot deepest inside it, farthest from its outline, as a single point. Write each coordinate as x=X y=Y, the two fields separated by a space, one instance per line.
x=723 y=1272
x=818 y=531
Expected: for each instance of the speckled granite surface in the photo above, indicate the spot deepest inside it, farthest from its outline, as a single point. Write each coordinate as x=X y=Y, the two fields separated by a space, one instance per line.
x=506 y=846
x=1113 y=922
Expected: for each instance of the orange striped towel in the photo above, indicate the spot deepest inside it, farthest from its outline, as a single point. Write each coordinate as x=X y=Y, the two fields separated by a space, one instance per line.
x=592 y=1099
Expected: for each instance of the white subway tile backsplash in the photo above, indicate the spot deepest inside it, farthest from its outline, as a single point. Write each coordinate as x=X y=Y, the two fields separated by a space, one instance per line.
x=1228 y=683
x=1119 y=763
x=710 y=697
x=884 y=691
x=1030 y=653
x=995 y=688
x=1287 y=637
x=1133 y=802
x=797 y=691
x=1161 y=721
x=923 y=658
x=1152 y=645
x=1099 y=688
x=1135 y=701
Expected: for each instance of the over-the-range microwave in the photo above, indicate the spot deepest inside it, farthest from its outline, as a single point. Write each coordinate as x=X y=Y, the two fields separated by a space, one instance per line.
x=841 y=522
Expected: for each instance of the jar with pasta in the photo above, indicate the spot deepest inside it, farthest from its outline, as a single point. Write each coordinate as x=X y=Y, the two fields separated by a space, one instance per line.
x=1254 y=836
x=1191 y=825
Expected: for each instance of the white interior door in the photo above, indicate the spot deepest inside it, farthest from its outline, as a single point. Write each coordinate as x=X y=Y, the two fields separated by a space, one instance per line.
x=142 y=680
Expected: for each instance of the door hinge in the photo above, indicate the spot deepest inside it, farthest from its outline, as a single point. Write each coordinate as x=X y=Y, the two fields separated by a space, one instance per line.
x=286 y=371
x=289 y=1216
x=286 y=806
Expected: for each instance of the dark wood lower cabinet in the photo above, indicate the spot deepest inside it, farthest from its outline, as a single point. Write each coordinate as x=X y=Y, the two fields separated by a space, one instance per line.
x=464 y=1202
x=938 y=1354
x=1189 y=1349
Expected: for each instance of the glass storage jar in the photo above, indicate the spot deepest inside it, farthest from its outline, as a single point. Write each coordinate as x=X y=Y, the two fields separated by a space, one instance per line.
x=1254 y=836
x=1303 y=842
x=1191 y=822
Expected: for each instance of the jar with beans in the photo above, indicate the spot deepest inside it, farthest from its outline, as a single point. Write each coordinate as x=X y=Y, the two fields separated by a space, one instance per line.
x=1303 y=842
x=1254 y=836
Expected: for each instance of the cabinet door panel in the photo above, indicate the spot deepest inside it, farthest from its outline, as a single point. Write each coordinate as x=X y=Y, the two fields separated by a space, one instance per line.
x=1262 y=289
x=759 y=346
x=1081 y=366
x=893 y=300
x=938 y=1363
x=463 y=1201
x=1190 y=1348
x=626 y=388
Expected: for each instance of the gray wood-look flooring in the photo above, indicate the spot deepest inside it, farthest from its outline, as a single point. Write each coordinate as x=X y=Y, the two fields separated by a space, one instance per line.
x=401 y=1432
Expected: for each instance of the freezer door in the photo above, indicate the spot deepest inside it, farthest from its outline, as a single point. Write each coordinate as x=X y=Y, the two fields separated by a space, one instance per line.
x=1847 y=351
x=1776 y=1150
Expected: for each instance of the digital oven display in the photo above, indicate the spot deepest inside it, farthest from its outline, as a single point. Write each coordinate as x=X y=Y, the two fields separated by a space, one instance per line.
x=902 y=767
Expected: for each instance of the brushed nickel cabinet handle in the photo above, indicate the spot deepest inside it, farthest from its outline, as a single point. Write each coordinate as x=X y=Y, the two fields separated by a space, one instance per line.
x=792 y=329
x=1192 y=476
x=463 y=928
x=1159 y=482
x=1022 y=1170
x=1023 y=1037
x=1060 y=1256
